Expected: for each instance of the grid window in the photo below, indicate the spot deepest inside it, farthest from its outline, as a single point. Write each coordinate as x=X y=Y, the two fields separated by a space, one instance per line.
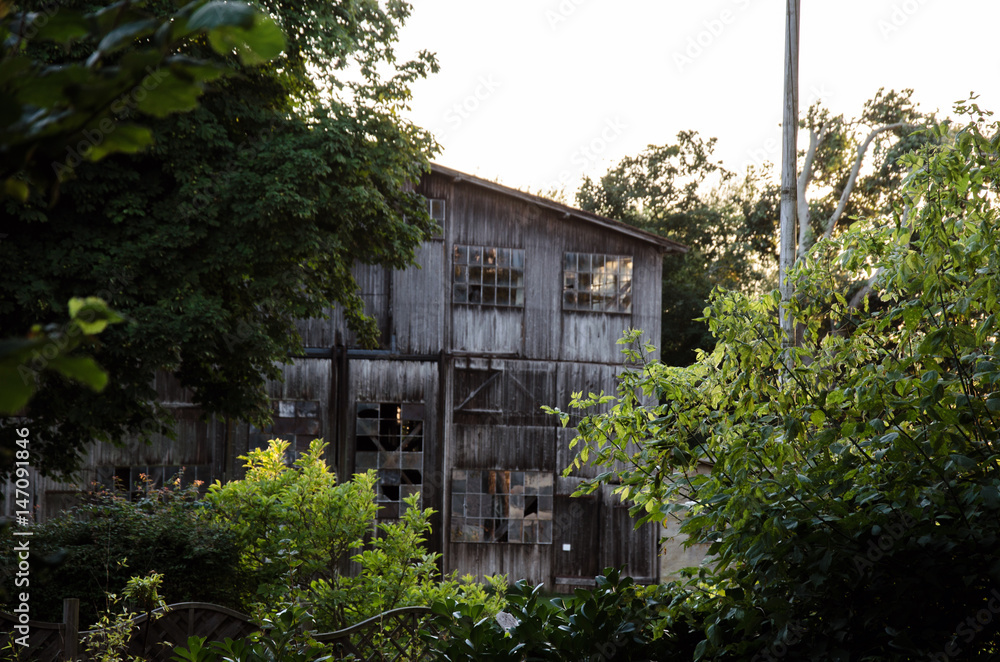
x=390 y=439
x=296 y=421
x=596 y=282
x=488 y=276
x=501 y=506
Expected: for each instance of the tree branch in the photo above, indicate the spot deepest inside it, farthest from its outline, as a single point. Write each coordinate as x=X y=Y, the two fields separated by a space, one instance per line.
x=832 y=223
x=805 y=177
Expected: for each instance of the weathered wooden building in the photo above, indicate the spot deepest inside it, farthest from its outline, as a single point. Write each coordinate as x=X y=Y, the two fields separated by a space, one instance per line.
x=516 y=304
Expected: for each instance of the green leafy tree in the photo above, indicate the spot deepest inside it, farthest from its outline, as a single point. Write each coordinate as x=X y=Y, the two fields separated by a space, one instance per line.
x=852 y=503
x=47 y=108
x=244 y=215
x=299 y=531
x=890 y=125
x=616 y=621
x=109 y=638
x=53 y=347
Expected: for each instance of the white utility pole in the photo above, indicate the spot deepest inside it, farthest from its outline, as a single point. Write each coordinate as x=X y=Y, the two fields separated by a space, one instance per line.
x=789 y=154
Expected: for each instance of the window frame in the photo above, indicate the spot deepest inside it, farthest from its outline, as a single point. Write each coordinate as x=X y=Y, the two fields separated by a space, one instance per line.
x=584 y=274
x=494 y=273
x=501 y=506
x=394 y=465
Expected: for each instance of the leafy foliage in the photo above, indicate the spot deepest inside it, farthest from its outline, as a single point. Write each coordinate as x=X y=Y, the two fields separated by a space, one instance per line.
x=53 y=348
x=895 y=125
x=245 y=214
x=283 y=638
x=300 y=531
x=110 y=636
x=730 y=222
x=46 y=108
x=613 y=622
x=91 y=550
x=852 y=503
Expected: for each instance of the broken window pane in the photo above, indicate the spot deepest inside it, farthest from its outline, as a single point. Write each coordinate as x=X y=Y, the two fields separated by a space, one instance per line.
x=389 y=439
x=498 y=505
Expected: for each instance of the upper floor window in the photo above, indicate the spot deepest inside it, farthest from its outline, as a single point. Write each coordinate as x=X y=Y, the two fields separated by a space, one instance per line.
x=435 y=208
x=597 y=282
x=488 y=276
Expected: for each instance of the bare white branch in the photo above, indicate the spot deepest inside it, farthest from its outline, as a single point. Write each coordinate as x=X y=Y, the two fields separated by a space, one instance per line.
x=862 y=149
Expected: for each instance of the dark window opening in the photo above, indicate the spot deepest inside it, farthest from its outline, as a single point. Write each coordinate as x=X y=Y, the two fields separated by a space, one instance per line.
x=389 y=440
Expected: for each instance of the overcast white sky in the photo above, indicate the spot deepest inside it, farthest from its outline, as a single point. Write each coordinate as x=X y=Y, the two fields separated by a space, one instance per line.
x=536 y=93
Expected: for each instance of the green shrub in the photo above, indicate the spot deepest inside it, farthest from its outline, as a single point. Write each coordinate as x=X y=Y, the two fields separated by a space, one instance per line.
x=93 y=549
x=308 y=539
x=617 y=621
x=110 y=635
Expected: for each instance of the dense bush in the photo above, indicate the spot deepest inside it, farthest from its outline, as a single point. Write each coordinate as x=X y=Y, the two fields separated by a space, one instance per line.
x=308 y=539
x=852 y=498
x=92 y=550
x=616 y=621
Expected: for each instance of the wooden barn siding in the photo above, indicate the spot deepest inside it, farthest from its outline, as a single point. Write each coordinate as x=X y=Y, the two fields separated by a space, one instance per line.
x=479 y=216
x=503 y=447
x=498 y=443
x=487 y=330
x=529 y=562
x=408 y=304
x=195 y=445
x=373 y=286
x=304 y=379
x=415 y=305
x=318 y=332
x=420 y=300
x=195 y=438
x=623 y=544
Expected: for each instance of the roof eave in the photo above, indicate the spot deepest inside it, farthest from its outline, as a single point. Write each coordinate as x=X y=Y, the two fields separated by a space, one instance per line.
x=665 y=245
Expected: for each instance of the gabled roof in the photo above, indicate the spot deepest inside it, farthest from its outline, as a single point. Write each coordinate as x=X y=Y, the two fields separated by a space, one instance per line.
x=665 y=245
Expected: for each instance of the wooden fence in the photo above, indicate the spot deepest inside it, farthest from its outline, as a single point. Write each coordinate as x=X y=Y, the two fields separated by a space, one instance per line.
x=391 y=636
